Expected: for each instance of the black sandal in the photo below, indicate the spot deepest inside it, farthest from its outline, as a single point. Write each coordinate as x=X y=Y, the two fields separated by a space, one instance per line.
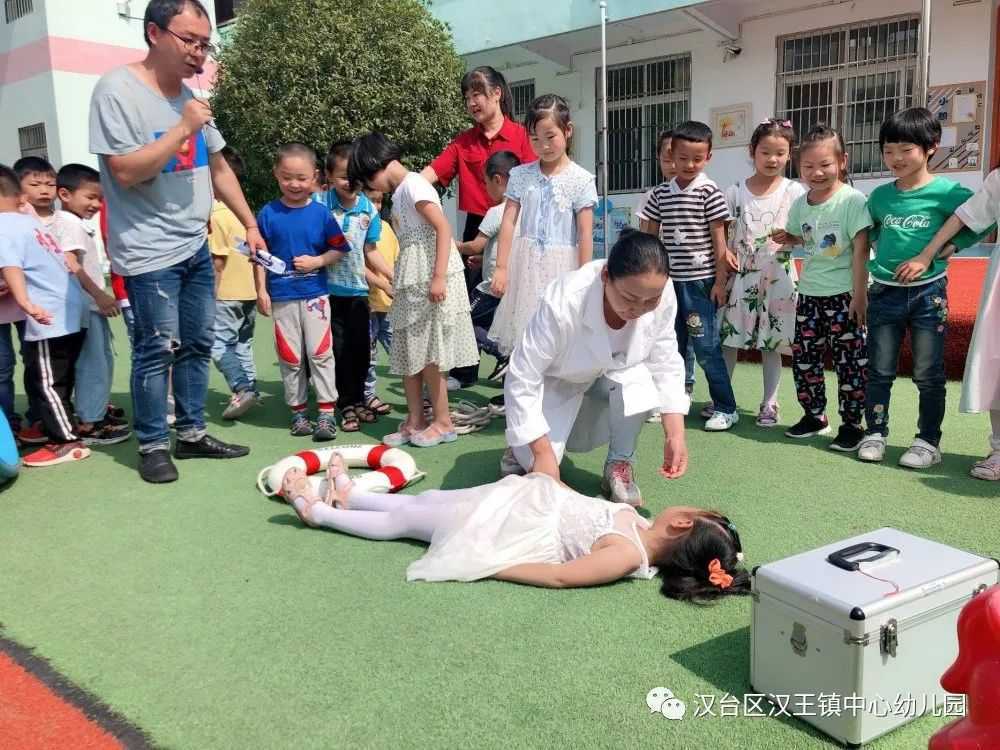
x=377 y=405
x=364 y=414
x=349 y=419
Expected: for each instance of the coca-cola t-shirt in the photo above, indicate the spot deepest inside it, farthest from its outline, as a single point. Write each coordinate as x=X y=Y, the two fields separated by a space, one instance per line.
x=906 y=220
x=827 y=230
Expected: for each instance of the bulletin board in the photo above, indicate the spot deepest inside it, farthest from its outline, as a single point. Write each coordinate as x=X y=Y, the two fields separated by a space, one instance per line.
x=959 y=107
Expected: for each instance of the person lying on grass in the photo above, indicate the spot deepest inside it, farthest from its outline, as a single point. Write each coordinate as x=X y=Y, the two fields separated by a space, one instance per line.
x=532 y=530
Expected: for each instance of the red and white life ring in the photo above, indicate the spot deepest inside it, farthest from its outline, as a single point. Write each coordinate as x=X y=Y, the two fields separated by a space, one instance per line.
x=392 y=468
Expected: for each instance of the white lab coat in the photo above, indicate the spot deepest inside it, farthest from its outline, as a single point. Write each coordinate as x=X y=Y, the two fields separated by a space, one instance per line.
x=566 y=348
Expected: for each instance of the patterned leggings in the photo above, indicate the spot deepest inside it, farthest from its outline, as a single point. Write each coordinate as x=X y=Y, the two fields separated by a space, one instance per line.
x=821 y=324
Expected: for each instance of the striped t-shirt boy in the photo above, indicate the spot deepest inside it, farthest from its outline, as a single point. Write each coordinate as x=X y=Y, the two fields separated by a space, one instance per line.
x=684 y=215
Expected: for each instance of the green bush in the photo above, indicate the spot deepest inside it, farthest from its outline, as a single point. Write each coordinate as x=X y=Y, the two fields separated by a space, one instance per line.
x=320 y=70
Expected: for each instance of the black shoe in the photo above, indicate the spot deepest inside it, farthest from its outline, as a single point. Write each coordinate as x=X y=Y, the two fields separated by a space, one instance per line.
x=809 y=426
x=209 y=447
x=499 y=371
x=848 y=439
x=156 y=467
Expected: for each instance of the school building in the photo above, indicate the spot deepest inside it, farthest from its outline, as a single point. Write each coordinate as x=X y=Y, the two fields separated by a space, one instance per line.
x=51 y=54
x=732 y=63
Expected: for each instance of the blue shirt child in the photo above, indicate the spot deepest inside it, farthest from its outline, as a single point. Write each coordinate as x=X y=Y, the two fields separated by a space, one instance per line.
x=291 y=232
x=362 y=225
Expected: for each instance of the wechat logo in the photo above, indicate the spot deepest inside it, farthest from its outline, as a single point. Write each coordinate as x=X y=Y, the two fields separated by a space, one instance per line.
x=662 y=701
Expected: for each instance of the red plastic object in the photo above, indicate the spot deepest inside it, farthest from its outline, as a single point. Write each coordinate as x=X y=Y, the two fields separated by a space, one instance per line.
x=976 y=673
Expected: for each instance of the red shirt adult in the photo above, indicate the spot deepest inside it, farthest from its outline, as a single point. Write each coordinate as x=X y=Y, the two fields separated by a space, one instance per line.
x=466 y=157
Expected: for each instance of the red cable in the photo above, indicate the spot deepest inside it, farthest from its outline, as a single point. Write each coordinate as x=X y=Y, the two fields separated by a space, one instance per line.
x=883 y=580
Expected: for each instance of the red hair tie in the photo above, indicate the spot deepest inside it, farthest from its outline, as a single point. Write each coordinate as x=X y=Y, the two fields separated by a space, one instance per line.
x=717 y=576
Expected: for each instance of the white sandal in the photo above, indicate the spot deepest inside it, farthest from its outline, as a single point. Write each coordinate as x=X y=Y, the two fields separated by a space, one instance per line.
x=988 y=469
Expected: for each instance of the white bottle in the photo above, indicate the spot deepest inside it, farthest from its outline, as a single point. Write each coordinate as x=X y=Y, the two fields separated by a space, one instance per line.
x=263 y=258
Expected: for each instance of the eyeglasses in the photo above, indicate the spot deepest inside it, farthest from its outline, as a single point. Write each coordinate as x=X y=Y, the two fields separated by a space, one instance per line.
x=194 y=45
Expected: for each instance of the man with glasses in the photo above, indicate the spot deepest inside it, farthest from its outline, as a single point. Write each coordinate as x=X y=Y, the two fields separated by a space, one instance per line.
x=161 y=164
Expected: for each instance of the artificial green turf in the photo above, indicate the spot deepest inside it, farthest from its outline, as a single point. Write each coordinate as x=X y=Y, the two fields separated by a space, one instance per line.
x=210 y=617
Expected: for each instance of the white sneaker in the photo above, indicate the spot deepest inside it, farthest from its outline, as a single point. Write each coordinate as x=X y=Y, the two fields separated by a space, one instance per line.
x=453 y=384
x=920 y=455
x=872 y=448
x=618 y=484
x=719 y=421
x=654 y=417
x=510 y=465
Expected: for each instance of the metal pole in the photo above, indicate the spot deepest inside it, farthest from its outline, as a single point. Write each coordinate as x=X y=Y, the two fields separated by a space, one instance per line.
x=604 y=124
x=925 y=52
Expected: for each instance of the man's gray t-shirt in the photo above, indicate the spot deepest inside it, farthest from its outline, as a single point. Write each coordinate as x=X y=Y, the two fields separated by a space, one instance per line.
x=162 y=221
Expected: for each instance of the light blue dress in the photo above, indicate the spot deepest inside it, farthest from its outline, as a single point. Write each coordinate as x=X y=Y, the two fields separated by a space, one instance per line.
x=545 y=242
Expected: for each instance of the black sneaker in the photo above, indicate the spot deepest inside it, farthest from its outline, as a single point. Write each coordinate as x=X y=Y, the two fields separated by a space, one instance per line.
x=848 y=439
x=809 y=426
x=156 y=467
x=106 y=433
x=301 y=426
x=499 y=371
x=326 y=427
x=209 y=447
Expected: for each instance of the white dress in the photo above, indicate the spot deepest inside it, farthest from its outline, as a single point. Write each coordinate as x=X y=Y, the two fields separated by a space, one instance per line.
x=981 y=383
x=530 y=519
x=545 y=245
x=424 y=332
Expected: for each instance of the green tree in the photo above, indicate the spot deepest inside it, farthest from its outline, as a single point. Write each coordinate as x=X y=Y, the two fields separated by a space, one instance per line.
x=321 y=70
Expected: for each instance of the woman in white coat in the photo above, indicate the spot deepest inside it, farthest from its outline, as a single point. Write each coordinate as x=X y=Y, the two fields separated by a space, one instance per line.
x=598 y=355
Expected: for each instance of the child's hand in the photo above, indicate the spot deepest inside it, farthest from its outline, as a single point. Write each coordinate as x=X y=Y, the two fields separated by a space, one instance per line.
x=718 y=295
x=107 y=305
x=439 y=290
x=731 y=260
x=38 y=314
x=782 y=237
x=72 y=264
x=307 y=263
x=264 y=304
x=499 y=284
x=911 y=270
x=858 y=310
x=473 y=262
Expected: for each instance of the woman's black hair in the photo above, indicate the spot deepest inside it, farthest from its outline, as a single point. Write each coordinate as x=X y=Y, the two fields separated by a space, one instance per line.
x=636 y=252
x=915 y=125
x=822 y=132
x=776 y=128
x=685 y=566
x=484 y=79
x=370 y=155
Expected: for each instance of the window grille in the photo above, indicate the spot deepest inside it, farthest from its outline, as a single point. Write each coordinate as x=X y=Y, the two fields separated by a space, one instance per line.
x=644 y=98
x=523 y=93
x=14 y=9
x=32 y=140
x=850 y=77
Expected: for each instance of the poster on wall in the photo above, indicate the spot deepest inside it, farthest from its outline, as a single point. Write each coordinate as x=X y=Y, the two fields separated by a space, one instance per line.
x=731 y=125
x=959 y=108
x=621 y=217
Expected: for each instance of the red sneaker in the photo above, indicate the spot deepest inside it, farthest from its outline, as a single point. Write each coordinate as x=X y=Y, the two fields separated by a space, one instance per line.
x=57 y=453
x=33 y=434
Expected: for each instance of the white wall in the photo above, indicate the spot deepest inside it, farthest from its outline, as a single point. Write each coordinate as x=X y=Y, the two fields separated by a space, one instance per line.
x=99 y=21
x=24 y=103
x=960 y=51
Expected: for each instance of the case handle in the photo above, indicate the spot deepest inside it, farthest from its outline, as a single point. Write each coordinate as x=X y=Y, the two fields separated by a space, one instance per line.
x=842 y=558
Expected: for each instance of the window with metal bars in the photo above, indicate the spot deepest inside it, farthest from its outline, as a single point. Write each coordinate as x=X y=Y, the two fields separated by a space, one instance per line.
x=227 y=10
x=644 y=98
x=851 y=78
x=14 y=9
x=523 y=93
x=32 y=140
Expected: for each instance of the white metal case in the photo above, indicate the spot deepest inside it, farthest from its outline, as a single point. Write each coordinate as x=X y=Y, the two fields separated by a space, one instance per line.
x=868 y=658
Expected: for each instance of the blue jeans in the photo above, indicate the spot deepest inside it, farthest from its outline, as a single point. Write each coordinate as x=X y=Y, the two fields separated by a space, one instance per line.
x=232 y=350
x=380 y=332
x=689 y=360
x=891 y=311
x=698 y=322
x=95 y=369
x=128 y=317
x=174 y=312
x=483 y=308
